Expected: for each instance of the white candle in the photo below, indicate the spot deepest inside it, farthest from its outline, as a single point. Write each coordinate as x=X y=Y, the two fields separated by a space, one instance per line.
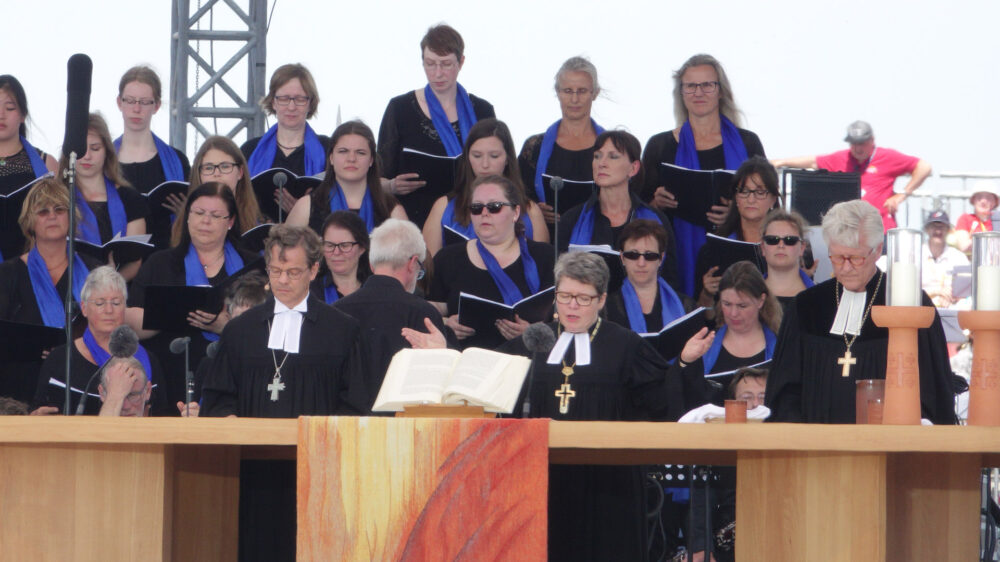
x=988 y=287
x=904 y=285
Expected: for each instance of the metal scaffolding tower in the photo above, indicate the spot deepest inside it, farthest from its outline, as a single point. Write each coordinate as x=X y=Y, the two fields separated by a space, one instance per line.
x=245 y=41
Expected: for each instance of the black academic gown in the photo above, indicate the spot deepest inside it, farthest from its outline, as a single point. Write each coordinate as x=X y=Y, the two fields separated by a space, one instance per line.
x=598 y=512
x=806 y=383
x=325 y=378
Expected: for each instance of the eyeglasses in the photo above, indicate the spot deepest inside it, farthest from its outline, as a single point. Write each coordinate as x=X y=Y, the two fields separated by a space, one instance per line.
x=494 y=207
x=47 y=211
x=285 y=100
x=224 y=167
x=788 y=240
x=145 y=102
x=634 y=255
x=99 y=303
x=856 y=261
x=443 y=65
x=582 y=300
x=422 y=272
x=344 y=247
x=757 y=193
x=579 y=91
x=749 y=396
x=202 y=213
x=706 y=87
x=294 y=273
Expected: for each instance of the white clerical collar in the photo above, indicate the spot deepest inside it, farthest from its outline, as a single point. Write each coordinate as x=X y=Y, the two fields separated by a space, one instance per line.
x=850 y=313
x=581 y=342
x=287 y=326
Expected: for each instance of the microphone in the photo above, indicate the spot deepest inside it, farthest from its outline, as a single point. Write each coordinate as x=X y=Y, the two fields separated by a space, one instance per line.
x=123 y=343
x=212 y=350
x=556 y=183
x=538 y=338
x=80 y=69
x=178 y=346
x=279 y=179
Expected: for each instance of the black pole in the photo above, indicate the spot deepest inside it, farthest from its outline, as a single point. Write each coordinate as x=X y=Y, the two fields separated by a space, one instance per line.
x=70 y=175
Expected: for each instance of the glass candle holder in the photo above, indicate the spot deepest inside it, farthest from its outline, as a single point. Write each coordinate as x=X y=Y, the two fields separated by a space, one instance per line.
x=986 y=271
x=904 y=250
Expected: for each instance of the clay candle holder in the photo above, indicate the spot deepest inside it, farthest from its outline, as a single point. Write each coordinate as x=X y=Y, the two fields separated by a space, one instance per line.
x=984 y=322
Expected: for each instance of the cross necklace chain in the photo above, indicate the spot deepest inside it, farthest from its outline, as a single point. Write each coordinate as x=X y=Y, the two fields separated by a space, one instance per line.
x=276 y=384
x=566 y=391
x=847 y=361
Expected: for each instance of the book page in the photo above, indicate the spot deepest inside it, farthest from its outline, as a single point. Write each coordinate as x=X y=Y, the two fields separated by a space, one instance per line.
x=415 y=376
x=487 y=378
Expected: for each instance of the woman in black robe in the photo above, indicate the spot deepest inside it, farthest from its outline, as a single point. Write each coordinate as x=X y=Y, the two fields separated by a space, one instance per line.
x=596 y=512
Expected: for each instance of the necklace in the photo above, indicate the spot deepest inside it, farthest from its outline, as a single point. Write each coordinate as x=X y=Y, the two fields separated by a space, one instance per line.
x=276 y=384
x=290 y=147
x=215 y=260
x=566 y=391
x=847 y=360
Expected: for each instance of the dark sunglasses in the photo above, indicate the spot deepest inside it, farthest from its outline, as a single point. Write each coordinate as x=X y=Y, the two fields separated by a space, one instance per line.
x=788 y=240
x=493 y=207
x=633 y=255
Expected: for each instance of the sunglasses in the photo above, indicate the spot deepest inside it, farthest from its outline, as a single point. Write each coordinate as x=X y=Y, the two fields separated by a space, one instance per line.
x=633 y=255
x=493 y=207
x=788 y=240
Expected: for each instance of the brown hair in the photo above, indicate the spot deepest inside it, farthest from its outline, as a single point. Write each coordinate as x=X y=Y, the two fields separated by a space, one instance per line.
x=112 y=169
x=511 y=192
x=755 y=165
x=746 y=373
x=285 y=236
x=285 y=74
x=462 y=193
x=744 y=277
x=626 y=143
x=443 y=40
x=641 y=228
x=384 y=202
x=48 y=191
x=207 y=189
x=791 y=217
x=144 y=75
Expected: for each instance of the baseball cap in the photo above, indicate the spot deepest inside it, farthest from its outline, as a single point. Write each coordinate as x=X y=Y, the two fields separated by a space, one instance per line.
x=858 y=132
x=937 y=216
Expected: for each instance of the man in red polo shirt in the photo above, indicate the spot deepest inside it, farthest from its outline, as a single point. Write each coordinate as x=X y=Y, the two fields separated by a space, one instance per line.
x=879 y=167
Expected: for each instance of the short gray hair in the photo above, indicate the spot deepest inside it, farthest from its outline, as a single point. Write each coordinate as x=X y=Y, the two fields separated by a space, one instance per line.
x=853 y=223
x=394 y=242
x=101 y=278
x=579 y=64
x=583 y=267
x=129 y=361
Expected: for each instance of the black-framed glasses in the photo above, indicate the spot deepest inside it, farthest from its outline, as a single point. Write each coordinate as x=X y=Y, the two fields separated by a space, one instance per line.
x=344 y=247
x=422 y=272
x=745 y=193
x=224 y=167
x=706 y=87
x=633 y=255
x=856 y=261
x=493 y=207
x=771 y=240
x=563 y=297
x=285 y=100
x=145 y=102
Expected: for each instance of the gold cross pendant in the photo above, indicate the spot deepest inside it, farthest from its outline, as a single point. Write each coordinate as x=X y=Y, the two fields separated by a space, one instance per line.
x=847 y=360
x=564 y=394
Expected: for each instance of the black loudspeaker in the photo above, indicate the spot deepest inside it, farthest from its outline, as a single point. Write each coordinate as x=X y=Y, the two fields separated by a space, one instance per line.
x=815 y=191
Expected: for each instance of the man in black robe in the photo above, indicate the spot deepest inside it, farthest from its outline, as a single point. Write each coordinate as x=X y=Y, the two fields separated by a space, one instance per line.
x=812 y=376
x=291 y=356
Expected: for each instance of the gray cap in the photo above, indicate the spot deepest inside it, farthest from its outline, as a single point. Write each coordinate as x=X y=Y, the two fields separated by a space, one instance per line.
x=859 y=132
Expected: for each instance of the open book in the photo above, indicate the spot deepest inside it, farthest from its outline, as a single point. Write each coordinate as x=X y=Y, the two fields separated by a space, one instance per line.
x=611 y=257
x=436 y=169
x=477 y=377
x=724 y=252
x=125 y=248
x=696 y=190
x=573 y=192
x=670 y=340
x=452 y=236
x=264 y=187
x=481 y=314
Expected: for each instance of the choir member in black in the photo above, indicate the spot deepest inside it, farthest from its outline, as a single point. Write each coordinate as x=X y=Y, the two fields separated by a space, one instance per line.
x=434 y=119
x=597 y=371
x=600 y=220
x=33 y=285
x=386 y=306
x=707 y=137
x=147 y=161
x=783 y=243
x=107 y=204
x=20 y=163
x=207 y=254
x=488 y=150
x=292 y=98
x=102 y=302
x=566 y=148
x=345 y=257
x=291 y=356
x=220 y=160
x=828 y=340
x=500 y=264
x=645 y=303
x=352 y=182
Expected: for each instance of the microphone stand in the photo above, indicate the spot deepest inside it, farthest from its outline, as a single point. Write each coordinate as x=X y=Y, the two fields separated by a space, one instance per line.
x=70 y=175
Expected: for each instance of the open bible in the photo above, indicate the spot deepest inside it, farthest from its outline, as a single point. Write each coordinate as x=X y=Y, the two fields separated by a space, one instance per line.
x=476 y=377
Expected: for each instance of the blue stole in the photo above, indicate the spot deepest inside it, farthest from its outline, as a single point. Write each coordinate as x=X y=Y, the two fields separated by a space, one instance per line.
x=88 y=228
x=671 y=307
x=448 y=219
x=173 y=170
x=545 y=152
x=511 y=294
x=194 y=272
x=37 y=164
x=713 y=352
x=267 y=148
x=338 y=202
x=466 y=119
x=101 y=355
x=330 y=294
x=50 y=302
x=583 y=230
x=691 y=237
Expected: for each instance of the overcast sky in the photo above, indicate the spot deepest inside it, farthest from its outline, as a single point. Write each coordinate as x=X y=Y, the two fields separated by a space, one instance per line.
x=923 y=73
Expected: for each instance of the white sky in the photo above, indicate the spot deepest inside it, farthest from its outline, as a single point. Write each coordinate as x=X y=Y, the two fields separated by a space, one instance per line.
x=924 y=73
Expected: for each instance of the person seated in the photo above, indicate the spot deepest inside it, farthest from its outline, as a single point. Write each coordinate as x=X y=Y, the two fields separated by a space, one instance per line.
x=782 y=244
x=984 y=200
x=939 y=259
x=11 y=407
x=345 y=257
x=124 y=388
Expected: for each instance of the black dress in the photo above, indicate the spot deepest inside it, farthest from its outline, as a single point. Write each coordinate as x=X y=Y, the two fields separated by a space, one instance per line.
x=136 y=207
x=454 y=273
x=294 y=162
x=15 y=173
x=598 y=512
x=806 y=383
x=573 y=165
x=144 y=176
x=404 y=125
x=319 y=209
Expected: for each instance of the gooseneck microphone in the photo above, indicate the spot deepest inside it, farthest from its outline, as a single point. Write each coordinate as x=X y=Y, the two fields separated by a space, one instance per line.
x=280 y=179
x=178 y=346
x=123 y=343
x=538 y=338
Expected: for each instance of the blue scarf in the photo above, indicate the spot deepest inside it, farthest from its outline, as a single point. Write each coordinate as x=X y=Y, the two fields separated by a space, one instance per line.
x=448 y=219
x=37 y=164
x=713 y=352
x=88 y=228
x=545 y=152
x=330 y=294
x=691 y=237
x=267 y=148
x=194 y=272
x=511 y=294
x=169 y=161
x=338 y=202
x=101 y=355
x=50 y=302
x=583 y=230
x=671 y=307
x=466 y=119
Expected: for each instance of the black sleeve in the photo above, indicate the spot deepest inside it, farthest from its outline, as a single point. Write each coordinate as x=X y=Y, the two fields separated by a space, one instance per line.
x=46 y=394
x=388 y=140
x=9 y=303
x=249 y=146
x=784 y=384
x=527 y=160
x=654 y=389
x=566 y=223
x=354 y=396
x=185 y=163
x=482 y=108
x=443 y=273
x=752 y=143
x=136 y=206
x=219 y=389
x=651 y=158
